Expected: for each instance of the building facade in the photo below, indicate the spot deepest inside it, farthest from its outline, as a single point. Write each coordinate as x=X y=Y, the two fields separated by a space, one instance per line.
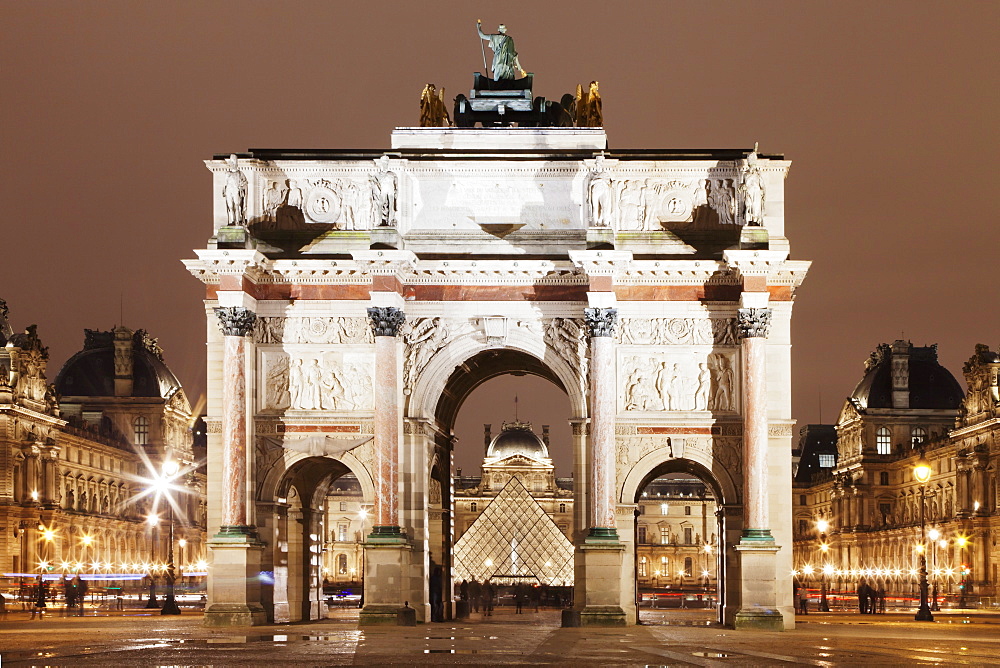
x=77 y=468
x=861 y=518
x=355 y=299
x=677 y=540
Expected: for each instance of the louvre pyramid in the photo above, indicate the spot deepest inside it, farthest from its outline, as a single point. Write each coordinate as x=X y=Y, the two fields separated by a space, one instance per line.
x=514 y=539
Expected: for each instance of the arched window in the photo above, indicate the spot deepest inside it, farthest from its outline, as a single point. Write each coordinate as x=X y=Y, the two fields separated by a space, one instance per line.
x=918 y=436
x=562 y=507
x=140 y=426
x=883 y=441
x=687 y=567
x=473 y=506
x=342 y=564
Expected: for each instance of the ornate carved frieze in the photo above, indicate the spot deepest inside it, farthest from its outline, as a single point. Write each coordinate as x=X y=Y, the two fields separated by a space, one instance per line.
x=235 y=320
x=340 y=380
x=313 y=330
x=678 y=382
x=386 y=320
x=779 y=430
x=565 y=336
x=424 y=337
x=343 y=202
x=600 y=321
x=677 y=331
x=754 y=322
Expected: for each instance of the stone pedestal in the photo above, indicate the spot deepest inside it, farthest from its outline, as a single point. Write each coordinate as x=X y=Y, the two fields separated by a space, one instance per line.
x=758 y=587
x=598 y=591
x=386 y=567
x=236 y=553
x=234 y=586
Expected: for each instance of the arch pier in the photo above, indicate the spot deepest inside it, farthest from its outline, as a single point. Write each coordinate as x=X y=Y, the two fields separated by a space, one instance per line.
x=355 y=300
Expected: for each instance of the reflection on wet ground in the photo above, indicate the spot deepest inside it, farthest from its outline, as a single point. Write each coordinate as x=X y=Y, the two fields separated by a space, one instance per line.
x=536 y=639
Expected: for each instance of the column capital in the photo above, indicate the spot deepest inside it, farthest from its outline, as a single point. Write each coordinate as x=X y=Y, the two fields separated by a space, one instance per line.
x=601 y=321
x=386 y=320
x=753 y=322
x=235 y=320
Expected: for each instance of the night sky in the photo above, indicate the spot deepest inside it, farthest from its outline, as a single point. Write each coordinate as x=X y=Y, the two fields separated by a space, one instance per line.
x=888 y=112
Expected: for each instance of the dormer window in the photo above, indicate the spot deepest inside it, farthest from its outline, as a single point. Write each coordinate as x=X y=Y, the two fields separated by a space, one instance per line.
x=140 y=426
x=883 y=441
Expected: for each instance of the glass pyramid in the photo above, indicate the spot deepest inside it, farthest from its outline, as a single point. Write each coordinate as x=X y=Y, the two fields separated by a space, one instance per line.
x=514 y=540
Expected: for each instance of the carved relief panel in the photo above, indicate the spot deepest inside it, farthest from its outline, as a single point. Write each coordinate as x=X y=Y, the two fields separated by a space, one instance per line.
x=679 y=379
x=310 y=379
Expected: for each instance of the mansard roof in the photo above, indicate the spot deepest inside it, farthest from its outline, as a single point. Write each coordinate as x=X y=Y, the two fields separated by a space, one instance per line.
x=931 y=386
x=91 y=372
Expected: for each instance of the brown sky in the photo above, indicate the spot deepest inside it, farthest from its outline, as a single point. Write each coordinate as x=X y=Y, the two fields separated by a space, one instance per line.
x=888 y=111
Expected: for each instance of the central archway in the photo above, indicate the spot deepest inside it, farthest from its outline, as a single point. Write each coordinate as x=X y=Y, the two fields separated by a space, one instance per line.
x=454 y=375
x=295 y=513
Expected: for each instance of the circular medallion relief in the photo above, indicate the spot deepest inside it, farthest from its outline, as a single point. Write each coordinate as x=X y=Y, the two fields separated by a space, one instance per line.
x=322 y=205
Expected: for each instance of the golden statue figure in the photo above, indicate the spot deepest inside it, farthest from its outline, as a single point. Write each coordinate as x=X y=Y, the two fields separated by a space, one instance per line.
x=589 y=113
x=433 y=112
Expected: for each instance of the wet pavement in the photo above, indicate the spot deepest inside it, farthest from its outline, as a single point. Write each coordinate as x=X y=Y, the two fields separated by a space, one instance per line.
x=667 y=638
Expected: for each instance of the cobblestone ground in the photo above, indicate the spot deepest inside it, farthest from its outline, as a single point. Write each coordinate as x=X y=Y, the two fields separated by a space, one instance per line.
x=674 y=638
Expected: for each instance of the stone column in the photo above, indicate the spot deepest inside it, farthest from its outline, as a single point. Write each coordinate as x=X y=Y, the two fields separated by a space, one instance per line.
x=601 y=325
x=387 y=558
x=50 y=468
x=386 y=322
x=599 y=560
x=758 y=606
x=234 y=594
x=236 y=323
x=753 y=325
x=29 y=474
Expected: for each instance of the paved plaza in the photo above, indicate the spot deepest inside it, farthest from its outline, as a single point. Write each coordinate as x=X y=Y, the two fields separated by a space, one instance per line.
x=674 y=638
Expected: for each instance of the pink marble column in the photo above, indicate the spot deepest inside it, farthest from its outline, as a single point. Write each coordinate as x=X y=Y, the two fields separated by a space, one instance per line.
x=236 y=323
x=386 y=322
x=753 y=326
x=601 y=323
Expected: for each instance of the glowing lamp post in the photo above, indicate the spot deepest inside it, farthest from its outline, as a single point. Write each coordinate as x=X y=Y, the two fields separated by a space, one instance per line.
x=824 y=605
x=152 y=520
x=170 y=468
x=922 y=474
x=963 y=575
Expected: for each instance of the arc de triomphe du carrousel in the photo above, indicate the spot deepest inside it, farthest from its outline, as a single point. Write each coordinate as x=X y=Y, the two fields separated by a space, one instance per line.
x=354 y=299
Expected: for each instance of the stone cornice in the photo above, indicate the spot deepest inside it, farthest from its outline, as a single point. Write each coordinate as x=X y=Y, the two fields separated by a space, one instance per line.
x=32 y=415
x=212 y=265
x=752 y=263
x=601 y=262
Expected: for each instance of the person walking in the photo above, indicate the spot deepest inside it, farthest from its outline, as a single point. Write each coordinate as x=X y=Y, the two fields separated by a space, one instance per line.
x=488 y=593
x=39 y=606
x=475 y=594
x=803 y=600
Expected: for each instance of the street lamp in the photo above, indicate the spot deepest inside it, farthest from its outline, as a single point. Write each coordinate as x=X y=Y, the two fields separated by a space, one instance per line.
x=922 y=473
x=823 y=525
x=152 y=520
x=963 y=583
x=170 y=468
x=935 y=535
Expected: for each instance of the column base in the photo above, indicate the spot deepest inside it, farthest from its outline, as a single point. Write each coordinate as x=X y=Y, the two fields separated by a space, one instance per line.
x=758 y=584
x=387 y=533
x=387 y=615
x=234 y=597
x=759 y=620
x=602 y=534
x=595 y=615
x=387 y=561
x=598 y=590
x=752 y=535
x=237 y=531
x=234 y=614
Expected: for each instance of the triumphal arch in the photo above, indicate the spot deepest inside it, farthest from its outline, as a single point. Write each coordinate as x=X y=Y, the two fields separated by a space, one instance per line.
x=356 y=298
